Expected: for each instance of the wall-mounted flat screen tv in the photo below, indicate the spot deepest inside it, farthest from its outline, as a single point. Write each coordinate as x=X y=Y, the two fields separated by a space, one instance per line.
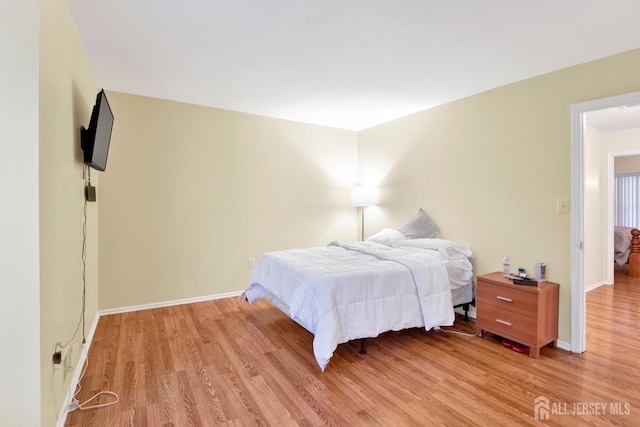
x=95 y=140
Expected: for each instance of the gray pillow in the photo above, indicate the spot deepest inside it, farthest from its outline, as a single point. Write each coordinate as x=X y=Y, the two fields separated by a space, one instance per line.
x=419 y=227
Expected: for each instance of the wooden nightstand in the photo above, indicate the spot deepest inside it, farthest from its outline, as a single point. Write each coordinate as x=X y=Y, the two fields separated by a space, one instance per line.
x=525 y=314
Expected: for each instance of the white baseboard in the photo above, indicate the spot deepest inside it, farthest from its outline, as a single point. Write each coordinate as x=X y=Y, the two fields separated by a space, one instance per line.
x=563 y=345
x=595 y=286
x=62 y=417
x=168 y=303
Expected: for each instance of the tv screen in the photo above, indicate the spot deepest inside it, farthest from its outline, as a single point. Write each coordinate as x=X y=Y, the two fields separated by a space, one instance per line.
x=95 y=140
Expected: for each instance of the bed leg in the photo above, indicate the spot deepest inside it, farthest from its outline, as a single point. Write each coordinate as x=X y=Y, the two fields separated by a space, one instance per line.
x=465 y=307
x=363 y=350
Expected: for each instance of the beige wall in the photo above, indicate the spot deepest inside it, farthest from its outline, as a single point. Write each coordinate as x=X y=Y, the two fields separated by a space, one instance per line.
x=628 y=164
x=595 y=208
x=489 y=168
x=67 y=93
x=190 y=193
x=623 y=142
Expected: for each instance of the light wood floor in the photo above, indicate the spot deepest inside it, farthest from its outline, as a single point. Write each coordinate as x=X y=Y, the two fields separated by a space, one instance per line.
x=226 y=363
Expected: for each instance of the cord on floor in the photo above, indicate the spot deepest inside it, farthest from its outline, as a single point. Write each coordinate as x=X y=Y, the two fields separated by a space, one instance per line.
x=75 y=404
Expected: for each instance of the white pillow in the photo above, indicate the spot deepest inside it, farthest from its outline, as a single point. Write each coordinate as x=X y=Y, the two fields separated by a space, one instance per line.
x=387 y=236
x=449 y=249
x=420 y=226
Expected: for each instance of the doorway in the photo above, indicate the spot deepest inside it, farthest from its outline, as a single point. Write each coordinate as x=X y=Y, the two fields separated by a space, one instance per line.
x=578 y=126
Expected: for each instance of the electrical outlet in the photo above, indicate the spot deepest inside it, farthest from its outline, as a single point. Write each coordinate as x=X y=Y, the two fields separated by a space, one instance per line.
x=251 y=263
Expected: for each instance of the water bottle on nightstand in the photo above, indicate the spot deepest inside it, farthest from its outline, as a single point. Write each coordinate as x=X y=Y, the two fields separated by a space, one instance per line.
x=506 y=265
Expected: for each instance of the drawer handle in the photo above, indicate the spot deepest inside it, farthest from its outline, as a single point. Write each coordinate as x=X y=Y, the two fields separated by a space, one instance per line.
x=504 y=322
x=504 y=298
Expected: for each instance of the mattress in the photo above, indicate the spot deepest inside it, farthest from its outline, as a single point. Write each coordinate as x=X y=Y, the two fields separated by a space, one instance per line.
x=351 y=290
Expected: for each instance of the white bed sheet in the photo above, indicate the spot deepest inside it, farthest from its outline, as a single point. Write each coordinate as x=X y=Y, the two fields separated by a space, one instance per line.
x=621 y=242
x=351 y=290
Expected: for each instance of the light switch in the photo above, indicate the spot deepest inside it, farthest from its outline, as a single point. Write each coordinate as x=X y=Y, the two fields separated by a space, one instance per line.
x=562 y=206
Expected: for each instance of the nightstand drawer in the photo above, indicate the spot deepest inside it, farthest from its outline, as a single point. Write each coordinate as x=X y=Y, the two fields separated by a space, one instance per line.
x=508 y=323
x=507 y=299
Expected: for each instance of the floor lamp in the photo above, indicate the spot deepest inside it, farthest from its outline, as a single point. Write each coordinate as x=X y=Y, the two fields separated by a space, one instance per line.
x=362 y=197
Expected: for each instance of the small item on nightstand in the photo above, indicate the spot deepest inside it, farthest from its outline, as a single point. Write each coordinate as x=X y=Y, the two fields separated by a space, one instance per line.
x=525 y=281
x=541 y=272
x=506 y=265
x=522 y=272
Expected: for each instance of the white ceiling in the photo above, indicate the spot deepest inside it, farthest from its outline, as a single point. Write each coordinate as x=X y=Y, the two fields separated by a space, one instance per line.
x=615 y=119
x=349 y=64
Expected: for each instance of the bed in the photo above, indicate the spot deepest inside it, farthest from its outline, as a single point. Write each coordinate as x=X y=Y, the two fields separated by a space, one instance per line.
x=621 y=244
x=357 y=290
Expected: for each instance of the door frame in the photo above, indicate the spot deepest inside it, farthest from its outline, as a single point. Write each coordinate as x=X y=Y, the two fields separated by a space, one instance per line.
x=578 y=297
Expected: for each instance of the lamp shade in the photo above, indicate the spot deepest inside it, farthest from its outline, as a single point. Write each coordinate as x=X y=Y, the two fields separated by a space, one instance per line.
x=363 y=196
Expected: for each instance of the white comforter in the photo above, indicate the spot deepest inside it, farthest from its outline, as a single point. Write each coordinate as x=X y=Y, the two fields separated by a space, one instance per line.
x=351 y=290
x=621 y=243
